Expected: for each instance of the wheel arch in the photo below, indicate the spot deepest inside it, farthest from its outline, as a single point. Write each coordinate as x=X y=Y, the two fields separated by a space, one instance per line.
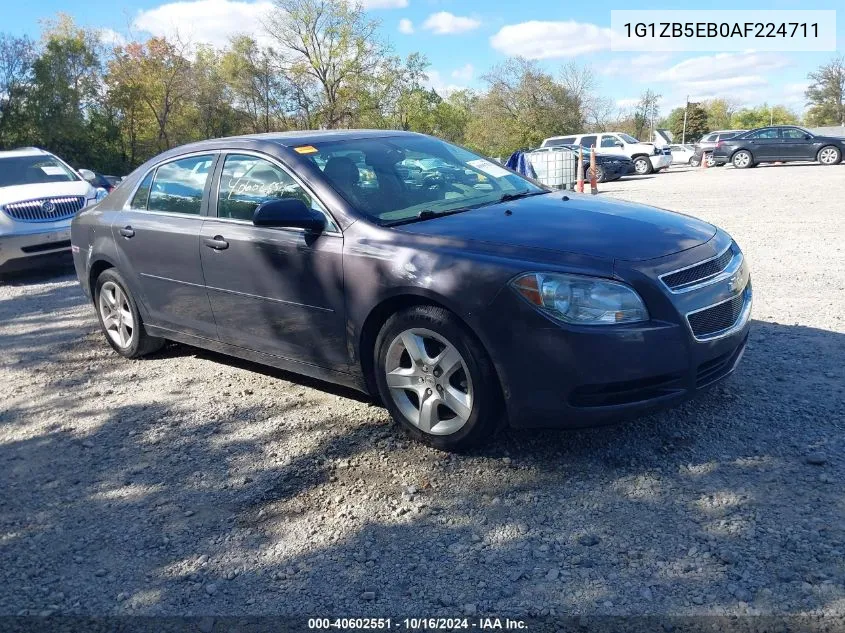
x=95 y=269
x=390 y=305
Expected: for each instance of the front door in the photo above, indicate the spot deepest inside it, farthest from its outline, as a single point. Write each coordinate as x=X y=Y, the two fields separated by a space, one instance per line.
x=796 y=146
x=158 y=241
x=273 y=290
x=765 y=145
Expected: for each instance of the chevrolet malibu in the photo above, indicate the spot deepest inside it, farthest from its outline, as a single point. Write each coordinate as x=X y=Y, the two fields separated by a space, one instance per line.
x=460 y=304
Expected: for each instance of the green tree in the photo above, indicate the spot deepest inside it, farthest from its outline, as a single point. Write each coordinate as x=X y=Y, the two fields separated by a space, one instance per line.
x=696 y=123
x=256 y=87
x=763 y=115
x=522 y=106
x=826 y=94
x=334 y=49
x=720 y=113
x=645 y=115
x=16 y=58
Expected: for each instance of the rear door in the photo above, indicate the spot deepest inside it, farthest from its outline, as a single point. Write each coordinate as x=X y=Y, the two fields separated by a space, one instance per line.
x=765 y=144
x=272 y=290
x=157 y=235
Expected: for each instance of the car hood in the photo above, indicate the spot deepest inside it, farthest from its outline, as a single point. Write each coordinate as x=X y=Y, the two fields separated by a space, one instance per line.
x=583 y=224
x=17 y=193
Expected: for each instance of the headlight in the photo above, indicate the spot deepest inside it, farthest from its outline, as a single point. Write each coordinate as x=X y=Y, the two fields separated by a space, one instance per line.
x=101 y=193
x=581 y=300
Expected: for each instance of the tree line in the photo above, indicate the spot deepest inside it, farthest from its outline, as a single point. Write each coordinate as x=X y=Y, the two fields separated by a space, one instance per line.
x=318 y=64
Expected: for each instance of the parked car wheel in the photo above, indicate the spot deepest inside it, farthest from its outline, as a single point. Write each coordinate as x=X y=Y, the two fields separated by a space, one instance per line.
x=742 y=159
x=711 y=162
x=436 y=380
x=642 y=165
x=829 y=155
x=120 y=319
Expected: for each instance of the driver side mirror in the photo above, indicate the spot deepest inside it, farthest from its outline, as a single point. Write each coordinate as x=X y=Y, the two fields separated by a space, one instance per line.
x=289 y=213
x=807 y=137
x=619 y=144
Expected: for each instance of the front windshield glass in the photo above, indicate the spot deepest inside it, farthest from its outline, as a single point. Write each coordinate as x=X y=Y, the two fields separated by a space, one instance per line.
x=628 y=138
x=33 y=170
x=398 y=178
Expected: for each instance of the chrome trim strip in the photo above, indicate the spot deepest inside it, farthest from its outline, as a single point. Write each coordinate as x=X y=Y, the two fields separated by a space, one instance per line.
x=706 y=281
x=738 y=325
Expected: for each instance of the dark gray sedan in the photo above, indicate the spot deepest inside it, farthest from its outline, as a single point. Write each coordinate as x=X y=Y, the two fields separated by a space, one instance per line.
x=460 y=303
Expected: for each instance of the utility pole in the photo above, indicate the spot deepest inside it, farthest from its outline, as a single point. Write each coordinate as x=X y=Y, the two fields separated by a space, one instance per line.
x=684 y=134
x=771 y=115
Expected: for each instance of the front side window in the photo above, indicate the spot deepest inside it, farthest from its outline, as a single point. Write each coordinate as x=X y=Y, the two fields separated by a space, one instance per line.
x=247 y=181
x=794 y=133
x=609 y=141
x=400 y=178
x=178 y=186
x=767 y=133
x=33 y=170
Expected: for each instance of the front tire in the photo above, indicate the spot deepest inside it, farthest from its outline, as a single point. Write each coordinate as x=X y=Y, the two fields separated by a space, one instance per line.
x=436 y=379
x=829 y=155
x=120 y=319
x=642 y=166
x=742 y=159
x=600 y=174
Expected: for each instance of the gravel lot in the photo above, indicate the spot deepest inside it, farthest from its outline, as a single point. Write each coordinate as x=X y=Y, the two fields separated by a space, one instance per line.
x=189 y=483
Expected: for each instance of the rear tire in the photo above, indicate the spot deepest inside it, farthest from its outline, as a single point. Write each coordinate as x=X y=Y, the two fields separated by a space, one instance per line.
x=742 y=159
x=829 y=155
x=443 y=389
x=120 y=319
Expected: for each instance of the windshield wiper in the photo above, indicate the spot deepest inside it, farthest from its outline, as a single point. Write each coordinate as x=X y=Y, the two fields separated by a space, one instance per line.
x=426 y=214
x=507 y=197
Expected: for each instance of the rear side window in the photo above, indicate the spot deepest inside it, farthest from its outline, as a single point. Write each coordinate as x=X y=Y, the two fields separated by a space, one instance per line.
x=588 y=141
x=769 y=133
x=247 y=181
x=709 y=138
x=139 y=200
x=554 y=142
x=178 y=185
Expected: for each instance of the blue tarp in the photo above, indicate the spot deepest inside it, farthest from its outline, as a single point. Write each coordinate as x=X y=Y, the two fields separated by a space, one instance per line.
x=520 y=164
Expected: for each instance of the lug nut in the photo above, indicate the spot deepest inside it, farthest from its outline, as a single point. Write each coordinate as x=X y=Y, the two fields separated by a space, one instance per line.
x=440 y=388
x=428 y=392
x=437 y=372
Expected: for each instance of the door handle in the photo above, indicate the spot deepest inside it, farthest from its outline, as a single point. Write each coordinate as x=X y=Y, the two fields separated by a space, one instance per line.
x=127 y=232
x=217 y=243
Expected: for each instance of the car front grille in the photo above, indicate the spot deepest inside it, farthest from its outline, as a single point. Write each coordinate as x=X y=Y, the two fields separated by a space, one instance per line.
x=677 y=281
x=45 y=209
x=712 y=321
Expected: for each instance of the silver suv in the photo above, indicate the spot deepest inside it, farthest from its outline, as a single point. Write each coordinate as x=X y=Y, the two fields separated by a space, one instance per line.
x=707 y=143
x=39 y=194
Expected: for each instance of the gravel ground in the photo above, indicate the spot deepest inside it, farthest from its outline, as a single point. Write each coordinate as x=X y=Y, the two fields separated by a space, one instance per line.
x=189 y=483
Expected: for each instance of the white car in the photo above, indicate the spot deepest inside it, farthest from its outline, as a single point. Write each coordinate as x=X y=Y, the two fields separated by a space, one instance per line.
x=39 y=195
x=682 y=153
x=646 y=156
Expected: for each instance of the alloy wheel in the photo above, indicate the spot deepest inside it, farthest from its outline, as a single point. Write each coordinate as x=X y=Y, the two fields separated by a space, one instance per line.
x=429 y=381
x=116 y=314
x=711 y=162
x=829 y=156
x=742 y=159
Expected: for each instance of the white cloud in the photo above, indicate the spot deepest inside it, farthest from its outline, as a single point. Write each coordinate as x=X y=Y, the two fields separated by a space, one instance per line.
x=384 y=4
x=406 y=26
x=445 y=23
x=722 y=66
x=110 y=37
x=442 y=87
x=464 y=73
x=548 y=40
x=204 y=21
x=639 y=67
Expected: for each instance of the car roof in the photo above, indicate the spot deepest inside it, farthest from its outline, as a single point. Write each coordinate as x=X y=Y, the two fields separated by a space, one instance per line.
x=294 y=138
x=24 y=151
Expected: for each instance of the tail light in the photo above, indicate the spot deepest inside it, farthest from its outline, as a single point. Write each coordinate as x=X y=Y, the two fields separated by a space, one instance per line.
x=719 y=144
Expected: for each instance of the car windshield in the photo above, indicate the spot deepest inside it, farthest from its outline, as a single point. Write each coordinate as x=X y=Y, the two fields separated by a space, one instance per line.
x=33 y=170
x=401 y=178
x=627 y=138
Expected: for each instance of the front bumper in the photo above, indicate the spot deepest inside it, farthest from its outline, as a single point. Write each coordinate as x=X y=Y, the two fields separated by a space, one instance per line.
x=19 y=249
x=563 y=376
x=660 y=161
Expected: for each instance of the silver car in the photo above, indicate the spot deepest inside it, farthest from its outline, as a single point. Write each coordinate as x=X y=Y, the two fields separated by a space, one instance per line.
x=705 y=146
x=39 y=194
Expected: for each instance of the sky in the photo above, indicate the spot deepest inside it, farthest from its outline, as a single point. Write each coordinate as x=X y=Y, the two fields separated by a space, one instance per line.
x=462 y=39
